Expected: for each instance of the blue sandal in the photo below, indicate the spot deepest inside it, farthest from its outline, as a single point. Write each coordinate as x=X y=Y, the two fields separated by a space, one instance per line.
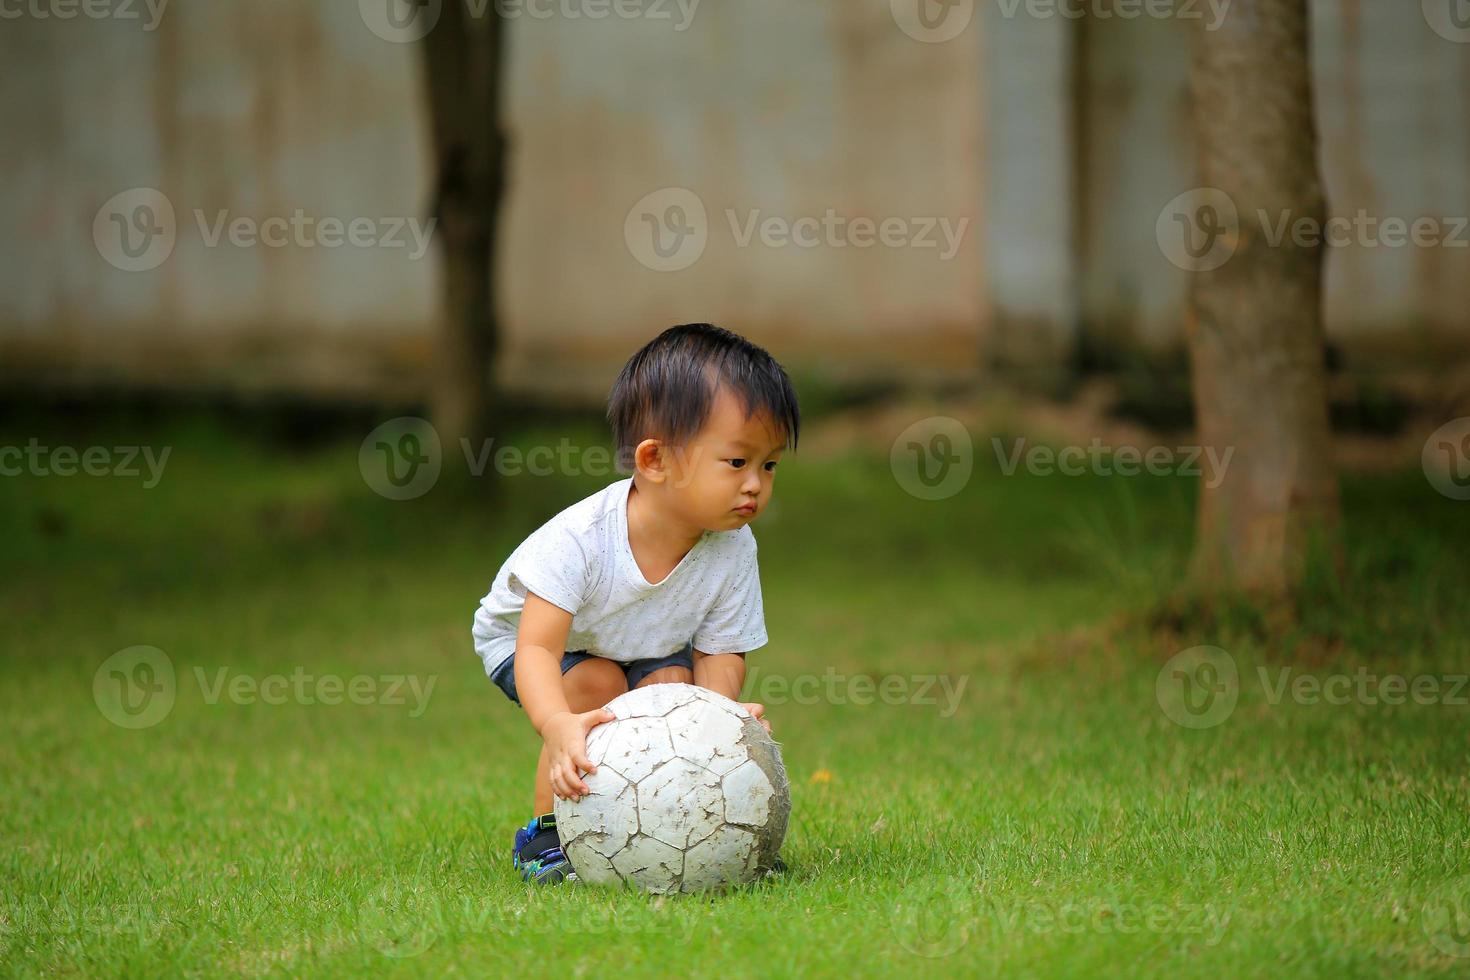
x=538 y=854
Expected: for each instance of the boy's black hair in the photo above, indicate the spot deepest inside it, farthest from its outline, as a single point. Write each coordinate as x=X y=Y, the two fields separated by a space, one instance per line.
x=667 y=389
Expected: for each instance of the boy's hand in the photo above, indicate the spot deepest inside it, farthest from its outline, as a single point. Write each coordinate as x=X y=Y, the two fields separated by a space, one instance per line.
x=757 y=711
x=565 y=735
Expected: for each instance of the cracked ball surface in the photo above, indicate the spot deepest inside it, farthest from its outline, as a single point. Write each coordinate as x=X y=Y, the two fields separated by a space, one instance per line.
x=689 y=795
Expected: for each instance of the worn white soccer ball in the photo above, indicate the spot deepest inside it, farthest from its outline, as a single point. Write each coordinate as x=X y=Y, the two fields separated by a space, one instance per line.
x=689 y=795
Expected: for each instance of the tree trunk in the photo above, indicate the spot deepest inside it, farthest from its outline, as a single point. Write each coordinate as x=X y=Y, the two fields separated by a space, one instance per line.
x=462 y=58
x=1255 y=322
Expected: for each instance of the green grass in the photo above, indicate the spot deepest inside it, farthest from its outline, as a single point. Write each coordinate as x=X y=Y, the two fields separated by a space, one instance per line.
x=1056 y=822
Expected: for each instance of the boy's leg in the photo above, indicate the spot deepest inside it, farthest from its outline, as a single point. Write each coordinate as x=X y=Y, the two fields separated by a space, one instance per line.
x=590 y=684
x=675 y=669
x=678 y=668
x=668 y=675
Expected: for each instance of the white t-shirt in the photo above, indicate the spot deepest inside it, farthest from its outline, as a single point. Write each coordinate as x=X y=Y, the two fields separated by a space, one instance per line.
x=580 y=560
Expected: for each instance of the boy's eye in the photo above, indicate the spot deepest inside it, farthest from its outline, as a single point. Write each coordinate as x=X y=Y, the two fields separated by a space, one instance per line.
x=771 y=466
x=737 y=462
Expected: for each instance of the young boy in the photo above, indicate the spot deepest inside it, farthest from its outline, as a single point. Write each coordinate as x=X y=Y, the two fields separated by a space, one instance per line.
x=652 y=579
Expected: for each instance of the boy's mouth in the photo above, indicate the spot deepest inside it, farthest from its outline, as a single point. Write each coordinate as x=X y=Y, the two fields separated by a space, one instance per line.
x=746 y=509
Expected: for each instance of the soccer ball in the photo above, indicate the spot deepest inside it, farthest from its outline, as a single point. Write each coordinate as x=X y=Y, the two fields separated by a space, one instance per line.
x=689 y=795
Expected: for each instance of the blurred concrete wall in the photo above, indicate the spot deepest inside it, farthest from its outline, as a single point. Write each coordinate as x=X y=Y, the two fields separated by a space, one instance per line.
x=808 y=133
x=1393 y=98
x=882 y=189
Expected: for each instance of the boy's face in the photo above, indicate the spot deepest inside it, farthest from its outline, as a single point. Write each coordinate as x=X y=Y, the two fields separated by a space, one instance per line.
x=723 y=478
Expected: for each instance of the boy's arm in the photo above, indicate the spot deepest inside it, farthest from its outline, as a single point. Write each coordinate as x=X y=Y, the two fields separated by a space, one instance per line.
x=540 y=640
x=724 y=673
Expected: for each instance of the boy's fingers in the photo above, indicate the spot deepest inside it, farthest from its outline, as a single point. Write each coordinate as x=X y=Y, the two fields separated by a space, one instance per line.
x=597 y=717
x=757 y=711
x=585 y=764
x=561 y=782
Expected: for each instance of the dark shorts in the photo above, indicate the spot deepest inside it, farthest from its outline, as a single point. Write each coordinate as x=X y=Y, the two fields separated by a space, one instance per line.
x=505 y=675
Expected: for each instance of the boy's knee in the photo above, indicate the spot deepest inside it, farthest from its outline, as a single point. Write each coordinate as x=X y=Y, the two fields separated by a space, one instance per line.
x=668 y=675
x=593 y=683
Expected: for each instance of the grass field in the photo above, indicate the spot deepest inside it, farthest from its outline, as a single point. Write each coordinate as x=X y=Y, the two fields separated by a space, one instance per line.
x=1045 y=817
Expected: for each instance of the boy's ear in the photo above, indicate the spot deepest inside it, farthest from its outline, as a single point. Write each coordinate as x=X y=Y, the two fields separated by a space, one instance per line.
x=649 y=461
